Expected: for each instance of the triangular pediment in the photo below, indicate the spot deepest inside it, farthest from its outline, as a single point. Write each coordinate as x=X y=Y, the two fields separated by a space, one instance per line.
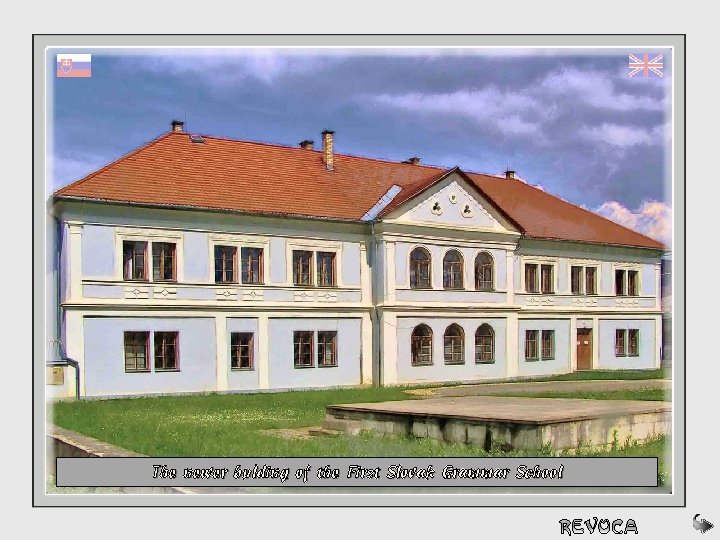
x=451 y=202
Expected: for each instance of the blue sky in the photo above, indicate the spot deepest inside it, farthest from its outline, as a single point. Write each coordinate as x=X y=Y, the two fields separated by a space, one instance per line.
x=570 y=121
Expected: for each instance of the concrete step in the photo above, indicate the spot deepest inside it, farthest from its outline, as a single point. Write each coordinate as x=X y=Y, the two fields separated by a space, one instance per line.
x=349 y=427
x=323 y=432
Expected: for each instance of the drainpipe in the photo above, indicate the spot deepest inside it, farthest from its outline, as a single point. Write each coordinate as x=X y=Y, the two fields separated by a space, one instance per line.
x=374 y=313
x=59 y=358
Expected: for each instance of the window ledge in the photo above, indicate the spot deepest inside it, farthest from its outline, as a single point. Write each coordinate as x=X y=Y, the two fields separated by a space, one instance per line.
x=303 y=367
x=546 y=359
x=454 y=363
x=532 y=359
x=327 y=366
x=138 y=371
x=168 y=370
x=484 y=361
x=421 y=365
x=242 y=369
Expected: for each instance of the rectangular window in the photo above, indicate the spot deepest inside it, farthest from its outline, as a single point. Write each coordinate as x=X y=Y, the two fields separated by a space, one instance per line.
x=531 y=344
x=302 y=267
x=531 y=278
x=548 y=344
x=225 y=257
x=632 y=286
x=633 y=342
x=241 y=350
x=251 y=265
x=620 y=289
x=327 y=349
x=136 y=351
x=135 y=260
x=590 y=280
x=166 y=345
x=303 y=342
x=576 y=279
x=163 y=261
x=620 y=339
x=547 y=279
x=326 y=269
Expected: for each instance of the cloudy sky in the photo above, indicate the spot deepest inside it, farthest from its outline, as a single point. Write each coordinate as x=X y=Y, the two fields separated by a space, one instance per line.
x=570 y=121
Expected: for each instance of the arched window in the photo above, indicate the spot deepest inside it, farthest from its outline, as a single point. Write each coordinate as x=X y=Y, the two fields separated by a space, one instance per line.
x=484 y=272
x=453 y=270
x=420 y=269
x=421 y=346
x=454 y=345
x=484 y=345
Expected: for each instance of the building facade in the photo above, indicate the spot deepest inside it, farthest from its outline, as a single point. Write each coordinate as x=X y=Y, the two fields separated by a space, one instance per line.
x=198 y=264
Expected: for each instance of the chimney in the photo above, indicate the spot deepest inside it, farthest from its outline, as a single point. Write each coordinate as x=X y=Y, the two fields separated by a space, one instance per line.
x=327 y=142
x=307 y=144
x=413 y=160
x=177 y=126
x=510 y=175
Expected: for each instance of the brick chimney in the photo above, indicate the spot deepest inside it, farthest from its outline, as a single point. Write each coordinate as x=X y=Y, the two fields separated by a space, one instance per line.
x=307 y=144
x=510 y=175
x=413 y=160
x=327 y=146
x=177 y=126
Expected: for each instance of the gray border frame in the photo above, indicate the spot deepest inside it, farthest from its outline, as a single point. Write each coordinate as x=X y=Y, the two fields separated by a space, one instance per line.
x=560 y=499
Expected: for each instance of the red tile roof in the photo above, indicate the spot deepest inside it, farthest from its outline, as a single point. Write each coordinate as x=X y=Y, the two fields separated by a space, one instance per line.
x=224 y=174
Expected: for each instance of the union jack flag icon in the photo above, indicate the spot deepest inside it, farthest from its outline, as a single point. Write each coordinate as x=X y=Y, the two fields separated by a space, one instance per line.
x=636 y=65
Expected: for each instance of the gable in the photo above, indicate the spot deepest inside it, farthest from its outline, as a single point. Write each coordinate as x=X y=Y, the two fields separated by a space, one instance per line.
x=452 y=202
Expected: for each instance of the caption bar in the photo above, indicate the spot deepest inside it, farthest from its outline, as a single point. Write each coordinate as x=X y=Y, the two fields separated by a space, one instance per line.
x=356 y=472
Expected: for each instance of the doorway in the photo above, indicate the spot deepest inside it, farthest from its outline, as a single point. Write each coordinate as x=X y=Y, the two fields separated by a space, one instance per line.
x=584 y=349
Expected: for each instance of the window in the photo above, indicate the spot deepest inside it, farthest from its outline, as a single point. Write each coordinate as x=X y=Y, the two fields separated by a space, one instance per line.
x=484 y=272
x=166 y=351
x=163 y=261
x=135 y=260
x=453 y=270
x=251 y=265
x=241 y=350
x=632 y=286
x=225 y=257
x=302 y=267
x=421 y=346
x=627 y=342
x=531 y=278
x=546 y=276
x=420 y=269
x=484 y=345
x=576 y=279
x=620 y=340
x=454 y=345
x=303 y=356
x=586 y=284
x=136 y=351
x=620 y=289
x=633 y=342
x=326 y=269
x=327 y=349
x=531 y=344
x=590 y=280
x=548 y=344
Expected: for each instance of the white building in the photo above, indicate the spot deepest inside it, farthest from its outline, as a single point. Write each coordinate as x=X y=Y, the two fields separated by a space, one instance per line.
x=198 y=264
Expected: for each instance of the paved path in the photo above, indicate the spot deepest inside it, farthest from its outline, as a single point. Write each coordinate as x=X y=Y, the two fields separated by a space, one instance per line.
x=546 y=386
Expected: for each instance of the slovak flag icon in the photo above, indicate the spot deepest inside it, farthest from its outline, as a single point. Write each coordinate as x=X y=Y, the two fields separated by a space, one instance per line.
x=73 y=65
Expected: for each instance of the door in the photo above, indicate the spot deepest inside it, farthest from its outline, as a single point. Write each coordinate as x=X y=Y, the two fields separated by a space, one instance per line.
x=584 y=349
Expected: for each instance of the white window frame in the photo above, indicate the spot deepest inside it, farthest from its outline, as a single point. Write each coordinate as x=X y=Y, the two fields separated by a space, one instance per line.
x=150 y=236
x=626 y=267
x=314 y=246
x=539 y=261
x=585 y=263
x=238 y=242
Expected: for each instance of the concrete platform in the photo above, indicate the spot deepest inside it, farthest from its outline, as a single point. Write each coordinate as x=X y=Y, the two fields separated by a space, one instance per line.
x=508 y=422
